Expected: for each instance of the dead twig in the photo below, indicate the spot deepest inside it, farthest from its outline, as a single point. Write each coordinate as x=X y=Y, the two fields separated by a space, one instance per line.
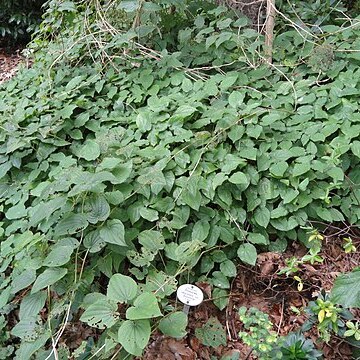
x=281 y=316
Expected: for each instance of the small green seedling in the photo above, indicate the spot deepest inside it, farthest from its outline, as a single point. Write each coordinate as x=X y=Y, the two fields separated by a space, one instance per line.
x=353 y=330
x=292 y=266
x=258 y=334
x=327 y=316
x=348 y=246
x=313 y=256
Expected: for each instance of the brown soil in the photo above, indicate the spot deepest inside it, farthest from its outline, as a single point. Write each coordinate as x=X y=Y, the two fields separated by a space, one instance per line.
x=10 y=59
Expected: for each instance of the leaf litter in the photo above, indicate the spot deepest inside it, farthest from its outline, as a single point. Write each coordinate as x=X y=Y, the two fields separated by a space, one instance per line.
x=10 y=60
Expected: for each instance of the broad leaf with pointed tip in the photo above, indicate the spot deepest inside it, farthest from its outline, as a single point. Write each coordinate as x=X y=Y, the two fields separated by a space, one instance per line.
x=212 y=333
x=346 y=290
x=94 y=242
x=71 y=224
x=96 y=209
x=32 y=304
x=145 y=307
x=247 y=253
x=101 y=314
x=23 y=280
x=113 y=232
x=121 y=288
x=58 y=256
x=47 y=278
x=89 y=151
x=152 y=240
x=134 y=335
x=174 y=325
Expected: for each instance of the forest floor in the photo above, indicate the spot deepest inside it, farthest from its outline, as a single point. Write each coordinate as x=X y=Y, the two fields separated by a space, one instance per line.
x=260 y=287
x=10 y=59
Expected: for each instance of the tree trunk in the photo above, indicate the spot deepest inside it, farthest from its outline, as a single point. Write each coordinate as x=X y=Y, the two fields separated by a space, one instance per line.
x=269 y=29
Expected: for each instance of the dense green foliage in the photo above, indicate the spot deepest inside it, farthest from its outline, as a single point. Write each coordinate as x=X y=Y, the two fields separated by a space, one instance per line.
x=294 y=346
x=19 y=18
x=167 y=156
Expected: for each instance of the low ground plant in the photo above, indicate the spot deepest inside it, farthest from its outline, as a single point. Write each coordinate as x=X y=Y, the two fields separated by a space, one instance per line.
x=135 y=158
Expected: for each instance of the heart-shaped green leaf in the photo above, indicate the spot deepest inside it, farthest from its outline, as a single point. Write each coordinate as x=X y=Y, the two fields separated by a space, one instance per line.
x=47 y=278
x=174 y=325
x=247 y=253
x=121 y=288
x=113 y=232
x=145 y=307
x=101 y=314
x=134 y=335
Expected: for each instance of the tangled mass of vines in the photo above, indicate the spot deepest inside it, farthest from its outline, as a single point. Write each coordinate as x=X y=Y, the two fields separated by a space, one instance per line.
x=152 y=144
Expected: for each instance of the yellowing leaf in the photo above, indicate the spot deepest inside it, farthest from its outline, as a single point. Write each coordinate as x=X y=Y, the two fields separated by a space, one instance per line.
x=321 y=316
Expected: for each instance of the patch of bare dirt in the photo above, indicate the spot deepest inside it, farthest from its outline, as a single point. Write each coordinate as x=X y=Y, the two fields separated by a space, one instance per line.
x=10 y=59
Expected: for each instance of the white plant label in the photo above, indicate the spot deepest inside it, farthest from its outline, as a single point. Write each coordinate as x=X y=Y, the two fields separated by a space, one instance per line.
x=190 y=295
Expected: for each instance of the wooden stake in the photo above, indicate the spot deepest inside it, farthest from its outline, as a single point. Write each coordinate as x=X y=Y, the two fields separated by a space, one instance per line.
x=269 y=29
